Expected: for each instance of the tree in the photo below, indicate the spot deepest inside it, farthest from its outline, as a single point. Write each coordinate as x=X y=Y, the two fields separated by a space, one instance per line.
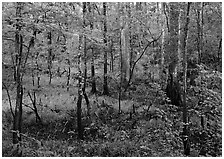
x=91 y=14
x=17 y=123
x=173 y=86
x=105 y=85
x=49 y=61
x=186 y=140
x=85 y=60
x=80 y=94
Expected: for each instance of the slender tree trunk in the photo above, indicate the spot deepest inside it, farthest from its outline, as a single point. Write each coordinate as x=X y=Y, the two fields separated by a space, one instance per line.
x=219 y=50
x=129 y=43
x=105 y=85
x=68 y=75
x=85 y=61
x=17 y=123
x=186 y=140
x=94 y=90
x=162 y=26
x=179 y=34
x=201 y=20
x=198 y=36
x=111 y=56
x=79 y=105
x=49 y=57
x=80 y=95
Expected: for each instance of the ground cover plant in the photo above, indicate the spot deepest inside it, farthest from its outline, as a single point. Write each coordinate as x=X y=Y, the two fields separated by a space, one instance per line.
x=119 y=79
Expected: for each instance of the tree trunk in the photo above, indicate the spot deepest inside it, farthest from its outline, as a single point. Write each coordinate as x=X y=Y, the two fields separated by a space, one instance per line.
x=129 y=38
x=17 y=123
x=79 y=102
x=68 y=75
x=111 y=56
x=186 y=140
x=219 y=51
x=173 y=86
x=162 y=26
x=105 y=85
x=201 y=23
x=93 y=80
x=85 y=62
x=49 y=57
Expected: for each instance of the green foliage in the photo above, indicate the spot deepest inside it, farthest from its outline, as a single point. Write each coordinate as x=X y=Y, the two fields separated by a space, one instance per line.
x=205 y=102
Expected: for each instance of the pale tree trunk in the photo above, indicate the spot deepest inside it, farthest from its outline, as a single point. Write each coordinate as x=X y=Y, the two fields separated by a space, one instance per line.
x=92 y=49
x=129 y=40
x=201 y=32
x=17 y=123
x=186 y=140
x=179 y=35
x=162 y=26
x=105 y=85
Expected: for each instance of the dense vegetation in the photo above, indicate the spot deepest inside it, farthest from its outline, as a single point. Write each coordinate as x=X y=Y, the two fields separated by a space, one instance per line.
x=111 y=79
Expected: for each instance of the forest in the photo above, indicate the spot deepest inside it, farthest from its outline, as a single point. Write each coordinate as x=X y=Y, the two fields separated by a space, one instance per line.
x=111 y=79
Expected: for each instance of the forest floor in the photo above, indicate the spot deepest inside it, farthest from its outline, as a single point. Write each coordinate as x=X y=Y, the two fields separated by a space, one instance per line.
x=148 y=124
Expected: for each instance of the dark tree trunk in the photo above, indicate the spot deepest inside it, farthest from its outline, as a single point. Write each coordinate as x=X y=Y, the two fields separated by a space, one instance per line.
x=111 y=57
x=49 y=57
x=173 y=86
x=93 y=75
x=17 y=123
x=85 y=61
x=68 y=75
x=105 y=85
x=79 y=113
x=93 y=80
x=186 y=140
x=219 y=50
x=79 y=102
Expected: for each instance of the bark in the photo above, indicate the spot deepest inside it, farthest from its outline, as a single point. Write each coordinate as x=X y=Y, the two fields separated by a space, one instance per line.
x=85 y=61
x=162 y=26
x=201 y=21
x=111 y=56
x=68 y=75
x=219 y=50
x=129 y=38
x=17 y=123
x=93 y=90
x=79 y=101
x=105 y=85
x=173 y=86
x=49 y=57
x=186 y=140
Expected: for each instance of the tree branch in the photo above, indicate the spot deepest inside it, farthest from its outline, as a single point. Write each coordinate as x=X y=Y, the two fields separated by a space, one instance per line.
x=10 y=102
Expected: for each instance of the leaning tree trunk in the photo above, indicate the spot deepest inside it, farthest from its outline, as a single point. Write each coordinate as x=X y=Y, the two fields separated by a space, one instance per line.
x=186 y=141
x=105 y=85
x=17 y=122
